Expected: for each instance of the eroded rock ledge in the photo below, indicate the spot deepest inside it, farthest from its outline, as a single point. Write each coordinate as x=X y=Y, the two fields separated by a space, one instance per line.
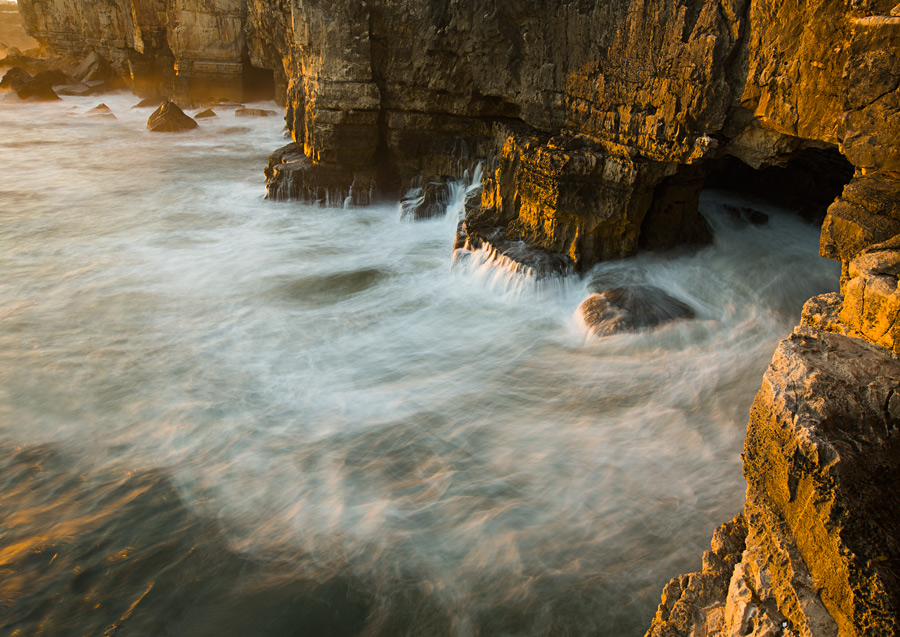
x=821 y=552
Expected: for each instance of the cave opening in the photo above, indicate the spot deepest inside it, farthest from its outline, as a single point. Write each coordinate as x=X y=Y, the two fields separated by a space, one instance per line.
x=807 y=181
x=258 y=83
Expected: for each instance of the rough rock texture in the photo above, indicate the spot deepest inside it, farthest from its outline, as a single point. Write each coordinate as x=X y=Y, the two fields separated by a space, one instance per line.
x=599 y=120
x=168 y=118
x=697 y=600
x=821 y=459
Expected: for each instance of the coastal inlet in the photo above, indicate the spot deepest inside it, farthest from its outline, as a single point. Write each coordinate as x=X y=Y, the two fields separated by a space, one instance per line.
x=221 y=415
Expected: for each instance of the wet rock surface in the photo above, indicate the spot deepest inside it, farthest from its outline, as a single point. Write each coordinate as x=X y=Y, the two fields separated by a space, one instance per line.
x=168 y=118
x=631 y=309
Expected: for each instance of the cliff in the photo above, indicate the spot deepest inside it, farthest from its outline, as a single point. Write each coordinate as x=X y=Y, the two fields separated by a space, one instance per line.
x=599 y=123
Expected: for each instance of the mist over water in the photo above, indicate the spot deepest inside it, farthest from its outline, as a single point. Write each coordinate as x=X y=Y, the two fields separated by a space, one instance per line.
x=221 y=415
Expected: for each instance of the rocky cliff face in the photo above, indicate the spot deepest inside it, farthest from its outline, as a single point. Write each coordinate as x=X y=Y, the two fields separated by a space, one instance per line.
x=598 y=123
x=575 y=105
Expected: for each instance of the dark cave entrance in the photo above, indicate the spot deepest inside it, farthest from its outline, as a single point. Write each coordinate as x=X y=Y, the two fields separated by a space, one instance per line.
x=258 y=83
x=807 y=181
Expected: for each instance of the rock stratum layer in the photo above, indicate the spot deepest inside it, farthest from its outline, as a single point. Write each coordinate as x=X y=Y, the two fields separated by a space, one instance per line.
x=597 y=124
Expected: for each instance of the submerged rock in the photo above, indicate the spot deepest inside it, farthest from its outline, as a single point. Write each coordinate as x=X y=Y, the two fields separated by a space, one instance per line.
x=149 y=102
x=205 y=114
x=168 y=118
x=253 y=112
x=746 y=215
x=630 y=309
x=101 y=110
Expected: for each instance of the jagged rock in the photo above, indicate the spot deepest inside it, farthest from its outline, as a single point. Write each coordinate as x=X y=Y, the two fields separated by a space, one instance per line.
x=16 y=78
x=253 y=112
x=101 y=110
x=629 y=309
x=871 y=307
x=510 y=253
x=205 y=114
x=425 y=201
x=822 y=456
x=568 y=195
x=95 y=68
x=821 y=460
x=697 y=600
x=168 y=118
x=867 y=213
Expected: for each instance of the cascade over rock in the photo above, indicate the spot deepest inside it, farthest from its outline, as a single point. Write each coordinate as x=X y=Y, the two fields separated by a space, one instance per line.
x=598 y=123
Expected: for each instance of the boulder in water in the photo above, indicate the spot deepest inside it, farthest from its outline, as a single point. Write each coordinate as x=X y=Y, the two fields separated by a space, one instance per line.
x=631 y=309
x=16 y=78
x=168 y=118
x=746 y=215
x=205 y=114
x=102 y=110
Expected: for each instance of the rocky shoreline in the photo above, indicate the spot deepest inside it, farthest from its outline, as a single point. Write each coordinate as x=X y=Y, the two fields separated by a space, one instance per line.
x=598 y=125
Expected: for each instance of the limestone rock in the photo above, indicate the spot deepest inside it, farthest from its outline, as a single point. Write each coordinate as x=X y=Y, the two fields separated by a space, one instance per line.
x=630 y=309
x=292 y=176
x=867 y=213
x=695 y=603
x=168 y=118
x=205 y=114
x=94 y=67
x=871 y=307
x=821 y=459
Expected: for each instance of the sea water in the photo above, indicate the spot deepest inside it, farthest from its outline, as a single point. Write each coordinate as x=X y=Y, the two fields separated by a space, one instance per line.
x=222 y=415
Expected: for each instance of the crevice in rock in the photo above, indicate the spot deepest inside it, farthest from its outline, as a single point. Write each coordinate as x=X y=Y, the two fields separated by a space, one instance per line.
x=386 y=176
x=258 y=83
